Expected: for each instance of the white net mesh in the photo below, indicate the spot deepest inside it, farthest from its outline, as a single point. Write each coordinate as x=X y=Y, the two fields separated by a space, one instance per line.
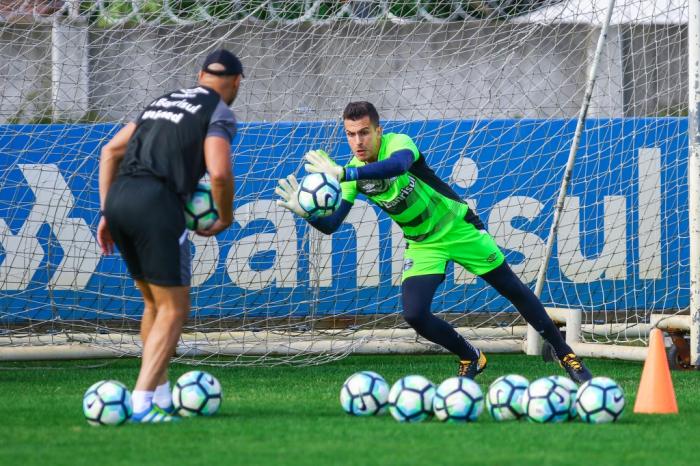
x=488 y=89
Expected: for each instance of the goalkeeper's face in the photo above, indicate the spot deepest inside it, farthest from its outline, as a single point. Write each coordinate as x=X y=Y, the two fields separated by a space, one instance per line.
x=364 y=138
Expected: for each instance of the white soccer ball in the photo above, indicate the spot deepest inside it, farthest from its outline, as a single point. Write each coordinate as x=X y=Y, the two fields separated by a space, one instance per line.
x=600 y=400
x=505 y=396
x=546 y=401
x=319 y=194
x=364 y=394
x=411 y=399
x=200 y=211
x=571 y=387
x=107 y=402
x=458 y=399
x=196 y=393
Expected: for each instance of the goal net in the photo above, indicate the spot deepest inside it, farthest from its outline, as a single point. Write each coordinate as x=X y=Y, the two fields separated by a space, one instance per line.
x=490 y=90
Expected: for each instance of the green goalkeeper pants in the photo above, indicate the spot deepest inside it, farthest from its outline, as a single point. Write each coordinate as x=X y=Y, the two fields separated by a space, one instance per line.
x=473 y=249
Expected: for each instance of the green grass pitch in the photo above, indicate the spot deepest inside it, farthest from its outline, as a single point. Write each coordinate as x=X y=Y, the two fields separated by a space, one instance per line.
x=292 y=416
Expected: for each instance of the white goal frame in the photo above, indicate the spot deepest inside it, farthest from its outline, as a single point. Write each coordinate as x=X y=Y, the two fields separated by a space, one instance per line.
x=572 y=318
x=67 y=81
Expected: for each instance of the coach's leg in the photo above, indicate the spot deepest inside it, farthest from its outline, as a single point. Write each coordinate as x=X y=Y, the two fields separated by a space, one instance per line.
x=504 y=280
x=162 y=396
x=172 y=305
x=149 y=309
x=149 y=316
x=417 y=296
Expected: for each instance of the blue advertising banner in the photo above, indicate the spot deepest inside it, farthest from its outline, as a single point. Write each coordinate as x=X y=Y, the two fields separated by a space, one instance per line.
x=623 y=242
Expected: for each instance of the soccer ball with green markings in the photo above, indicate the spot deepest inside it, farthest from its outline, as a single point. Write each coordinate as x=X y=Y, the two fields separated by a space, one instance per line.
x=196 y=393
x=200 y=210
x=505 y=396
x=458 y=399
x=546 y=401
x=571 y=387
x=364 y=394
x=107 y=403
x=600 y=400
x=411 y=399
x=319 y=194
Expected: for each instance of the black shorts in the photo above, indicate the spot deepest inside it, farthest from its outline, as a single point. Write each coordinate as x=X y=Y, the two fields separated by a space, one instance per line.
x=147 y=224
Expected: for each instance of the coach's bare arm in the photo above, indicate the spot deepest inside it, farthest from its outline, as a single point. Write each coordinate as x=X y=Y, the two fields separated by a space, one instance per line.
x=110 y=158
x=217 y=158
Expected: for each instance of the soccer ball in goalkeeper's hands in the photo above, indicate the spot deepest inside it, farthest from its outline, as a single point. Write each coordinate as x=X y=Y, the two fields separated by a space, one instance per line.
x=107 y=402
x=364 y=394
x=200 y=210
x=319 y=194
x=196 y=393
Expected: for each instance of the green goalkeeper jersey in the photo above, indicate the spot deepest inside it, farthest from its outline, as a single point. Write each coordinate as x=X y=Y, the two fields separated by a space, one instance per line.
x=424 y=206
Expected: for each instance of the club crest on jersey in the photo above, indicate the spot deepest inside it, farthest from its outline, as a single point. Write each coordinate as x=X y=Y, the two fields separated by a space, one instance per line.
x=374 y=187
x=407 y=264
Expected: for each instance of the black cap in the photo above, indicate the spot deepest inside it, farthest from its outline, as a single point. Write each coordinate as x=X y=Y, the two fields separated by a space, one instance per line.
x=222 y=63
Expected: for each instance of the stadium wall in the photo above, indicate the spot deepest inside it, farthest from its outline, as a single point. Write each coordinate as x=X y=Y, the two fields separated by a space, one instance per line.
x=439 y=73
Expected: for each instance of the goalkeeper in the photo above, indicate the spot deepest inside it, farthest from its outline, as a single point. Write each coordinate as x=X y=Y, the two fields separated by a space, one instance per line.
x=438 y=227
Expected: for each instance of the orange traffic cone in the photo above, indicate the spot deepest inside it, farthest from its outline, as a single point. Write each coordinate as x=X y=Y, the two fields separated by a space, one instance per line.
x=656 y=394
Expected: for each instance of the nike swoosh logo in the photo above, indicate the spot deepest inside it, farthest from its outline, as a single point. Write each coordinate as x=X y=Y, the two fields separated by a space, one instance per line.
x=618 y=398
x=90 y=404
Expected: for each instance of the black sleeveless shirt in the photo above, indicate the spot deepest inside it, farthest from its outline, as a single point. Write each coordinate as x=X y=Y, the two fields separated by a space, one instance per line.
x=168 y=143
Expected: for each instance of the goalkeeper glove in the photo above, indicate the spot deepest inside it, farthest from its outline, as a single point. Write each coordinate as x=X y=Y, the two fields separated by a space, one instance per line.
x=320 y=162
x=288 y=190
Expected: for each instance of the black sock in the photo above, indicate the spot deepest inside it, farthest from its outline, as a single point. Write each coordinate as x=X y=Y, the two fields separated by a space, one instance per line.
x=504 y=280
x=417 y=295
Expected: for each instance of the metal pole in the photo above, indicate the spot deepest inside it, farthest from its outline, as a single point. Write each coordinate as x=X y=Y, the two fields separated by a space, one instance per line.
x=69 y=64
x=534 y=340
x=694 y=175
x=72 y=8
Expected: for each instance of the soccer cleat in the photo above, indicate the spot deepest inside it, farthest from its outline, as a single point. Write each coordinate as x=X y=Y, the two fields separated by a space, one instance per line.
x=470 y=369
x=153 y=415
x=575 y=368
x=168 y=410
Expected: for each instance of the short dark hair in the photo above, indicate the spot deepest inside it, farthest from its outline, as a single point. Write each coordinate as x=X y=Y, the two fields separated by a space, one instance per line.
x=357 y=110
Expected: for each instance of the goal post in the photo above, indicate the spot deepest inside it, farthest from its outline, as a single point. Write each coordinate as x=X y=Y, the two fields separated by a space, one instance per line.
x=694 y=177
x=534 y=340
x=490 y=91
